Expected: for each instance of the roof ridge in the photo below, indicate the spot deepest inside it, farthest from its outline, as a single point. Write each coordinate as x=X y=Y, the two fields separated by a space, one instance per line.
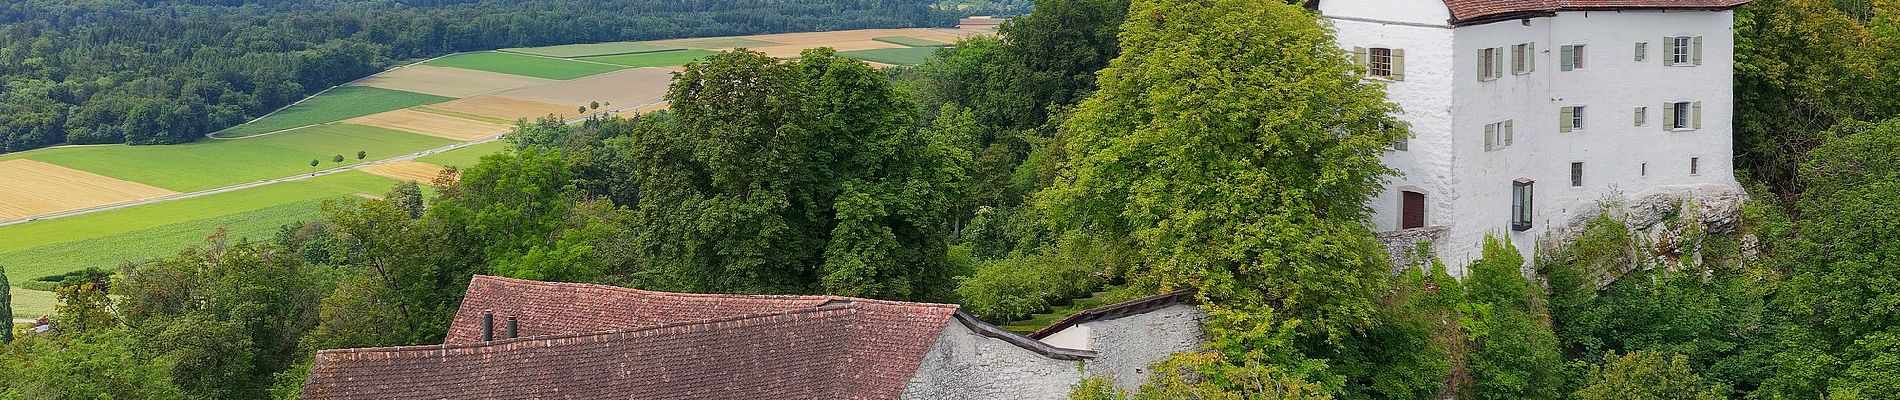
x=612 y=288
x=1114 y=311
x=565 y=338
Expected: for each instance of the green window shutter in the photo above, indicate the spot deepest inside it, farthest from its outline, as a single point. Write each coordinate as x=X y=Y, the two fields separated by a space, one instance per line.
x=1566 y=56
x=1669 y=51
x=1359 y=56
x=1642 y=49
x=1509 y=132
x=1564 y=115
x=1398 y=65
x=1483 y=64
x=1497 y=63
x=1669 y=116
x=1530 y=60
x=1696 y=52
x=1490 y=137
x=1696 y=114
x=1640 y=114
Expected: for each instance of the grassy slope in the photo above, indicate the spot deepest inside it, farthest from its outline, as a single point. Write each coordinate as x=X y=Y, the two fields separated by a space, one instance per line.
x=464 y=157
x=660 y=59
x=336 y=105
x=592 y=49
x=214 y=163
x=904 y=56
x=109 y=238
x=524 y=65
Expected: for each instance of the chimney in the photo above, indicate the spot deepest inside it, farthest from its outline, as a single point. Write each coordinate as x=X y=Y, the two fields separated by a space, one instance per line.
x=488 y=325
x=512 y=332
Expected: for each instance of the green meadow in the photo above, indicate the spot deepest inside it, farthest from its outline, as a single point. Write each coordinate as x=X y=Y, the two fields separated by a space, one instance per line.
x=524 y=65
x=592 y=49
x=903 y=56
x=910 y=41
x=335 y=105
x=28 y=304
x=660 y=59
x=107 y=239
x=464 y=157
x=209 y=164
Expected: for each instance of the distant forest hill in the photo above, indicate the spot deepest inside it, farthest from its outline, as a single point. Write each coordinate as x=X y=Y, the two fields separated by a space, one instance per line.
x=170 y=71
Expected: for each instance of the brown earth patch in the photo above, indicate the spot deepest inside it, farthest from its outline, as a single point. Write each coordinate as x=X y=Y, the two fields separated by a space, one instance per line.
x=624 y=88
x=29 y=188
x=437 y=125
x=406 y=171
x=451 y=82
x=505 y=108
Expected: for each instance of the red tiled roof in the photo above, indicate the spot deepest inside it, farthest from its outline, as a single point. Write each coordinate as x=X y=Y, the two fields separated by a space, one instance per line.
x=593 y=341
x=550 y=308
x=1472 y=11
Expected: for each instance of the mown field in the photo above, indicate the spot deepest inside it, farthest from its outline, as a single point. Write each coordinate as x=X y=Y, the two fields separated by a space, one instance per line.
x=108 y=239
x=524 y=65
x=900 y=56
x=593 y=49
x=216 y=163
x=335 y=105
x=660 y=59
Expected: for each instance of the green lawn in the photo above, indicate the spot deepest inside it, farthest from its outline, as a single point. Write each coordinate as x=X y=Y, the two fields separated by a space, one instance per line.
x=335 y=105
x=592 y=49
x=214 y=163
x=910 y=41
x=107 y=239
x=524 y=65
x=29 y=304
x=660 y=59
x=464 y=157
x=904 y=56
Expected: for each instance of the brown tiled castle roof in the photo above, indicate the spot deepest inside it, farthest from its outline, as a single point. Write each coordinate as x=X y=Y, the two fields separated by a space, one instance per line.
x=1478 y=11
x=702 y=347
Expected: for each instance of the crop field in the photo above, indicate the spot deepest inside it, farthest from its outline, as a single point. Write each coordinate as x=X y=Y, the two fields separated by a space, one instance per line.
x=660 y=59
x=444 y=81
x=908 y=41
x=336 y=105
x=717 y=43
x=505 y=108
x=436 y=125
x=29 y=188
x=902 y=56
x=214 y=163
x=29 y=304
x=406 y=171
x=108 y=238
x=524 y=65
x=626 y=88
x=464 y=157
x=593 y=49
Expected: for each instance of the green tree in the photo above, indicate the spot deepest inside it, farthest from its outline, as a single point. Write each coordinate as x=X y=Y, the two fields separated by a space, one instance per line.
x=337 y=159
x=1645 y=375
x=1201 y=153
x=1514 y=354
x=360 y=155
x=407 y=196
x=1802 y=66
x=799 y=176
x=1253 y=355
x=100 y=365
x=6 y=308
x=314 y=162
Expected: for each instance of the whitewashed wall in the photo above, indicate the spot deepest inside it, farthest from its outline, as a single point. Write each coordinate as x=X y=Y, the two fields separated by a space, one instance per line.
x=1426 y=96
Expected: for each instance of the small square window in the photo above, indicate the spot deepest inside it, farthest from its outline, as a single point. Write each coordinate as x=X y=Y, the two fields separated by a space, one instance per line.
x=1379 y=62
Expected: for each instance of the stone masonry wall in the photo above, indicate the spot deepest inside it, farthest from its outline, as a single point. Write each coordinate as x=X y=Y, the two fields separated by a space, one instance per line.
x=965 y=365
x=1129 y=345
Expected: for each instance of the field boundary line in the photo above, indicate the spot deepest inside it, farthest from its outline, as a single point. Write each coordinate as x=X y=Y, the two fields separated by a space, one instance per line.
x=214 y=135
x=570 y=59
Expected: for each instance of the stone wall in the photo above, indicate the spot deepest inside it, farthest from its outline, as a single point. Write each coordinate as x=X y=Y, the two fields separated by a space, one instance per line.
x=966 y=365
x=1402 y=245
x=1127 y=346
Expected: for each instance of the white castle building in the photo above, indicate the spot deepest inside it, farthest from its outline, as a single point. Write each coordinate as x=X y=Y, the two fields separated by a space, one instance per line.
x=1526 y=114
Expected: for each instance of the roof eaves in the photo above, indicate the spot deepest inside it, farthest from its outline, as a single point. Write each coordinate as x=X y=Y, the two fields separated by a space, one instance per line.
x=1118 y=310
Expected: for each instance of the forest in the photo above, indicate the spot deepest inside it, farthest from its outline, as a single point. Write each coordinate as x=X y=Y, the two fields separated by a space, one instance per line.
x=166 y=72
x=1083 y=151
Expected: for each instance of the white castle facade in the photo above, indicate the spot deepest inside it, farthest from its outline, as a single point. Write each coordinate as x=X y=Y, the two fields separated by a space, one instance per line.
x=1526 y=114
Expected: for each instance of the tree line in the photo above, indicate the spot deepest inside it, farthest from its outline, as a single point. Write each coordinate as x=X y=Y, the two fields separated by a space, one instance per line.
x=163 y=72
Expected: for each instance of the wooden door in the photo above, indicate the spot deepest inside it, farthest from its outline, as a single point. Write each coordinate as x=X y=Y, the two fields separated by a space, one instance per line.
x=1412 y=212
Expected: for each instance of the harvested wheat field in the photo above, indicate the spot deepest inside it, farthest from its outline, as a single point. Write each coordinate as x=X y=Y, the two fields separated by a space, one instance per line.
x=406 y=171
x=437 y=125
x=830 y=39
x=506 y=108
x=445 y=81
x=626 y=88
x=29 y=188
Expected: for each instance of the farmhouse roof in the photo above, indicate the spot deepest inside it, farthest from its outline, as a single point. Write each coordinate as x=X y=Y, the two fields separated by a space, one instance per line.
x=1467 y=12
x=594 y=341
x=1118 y=310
